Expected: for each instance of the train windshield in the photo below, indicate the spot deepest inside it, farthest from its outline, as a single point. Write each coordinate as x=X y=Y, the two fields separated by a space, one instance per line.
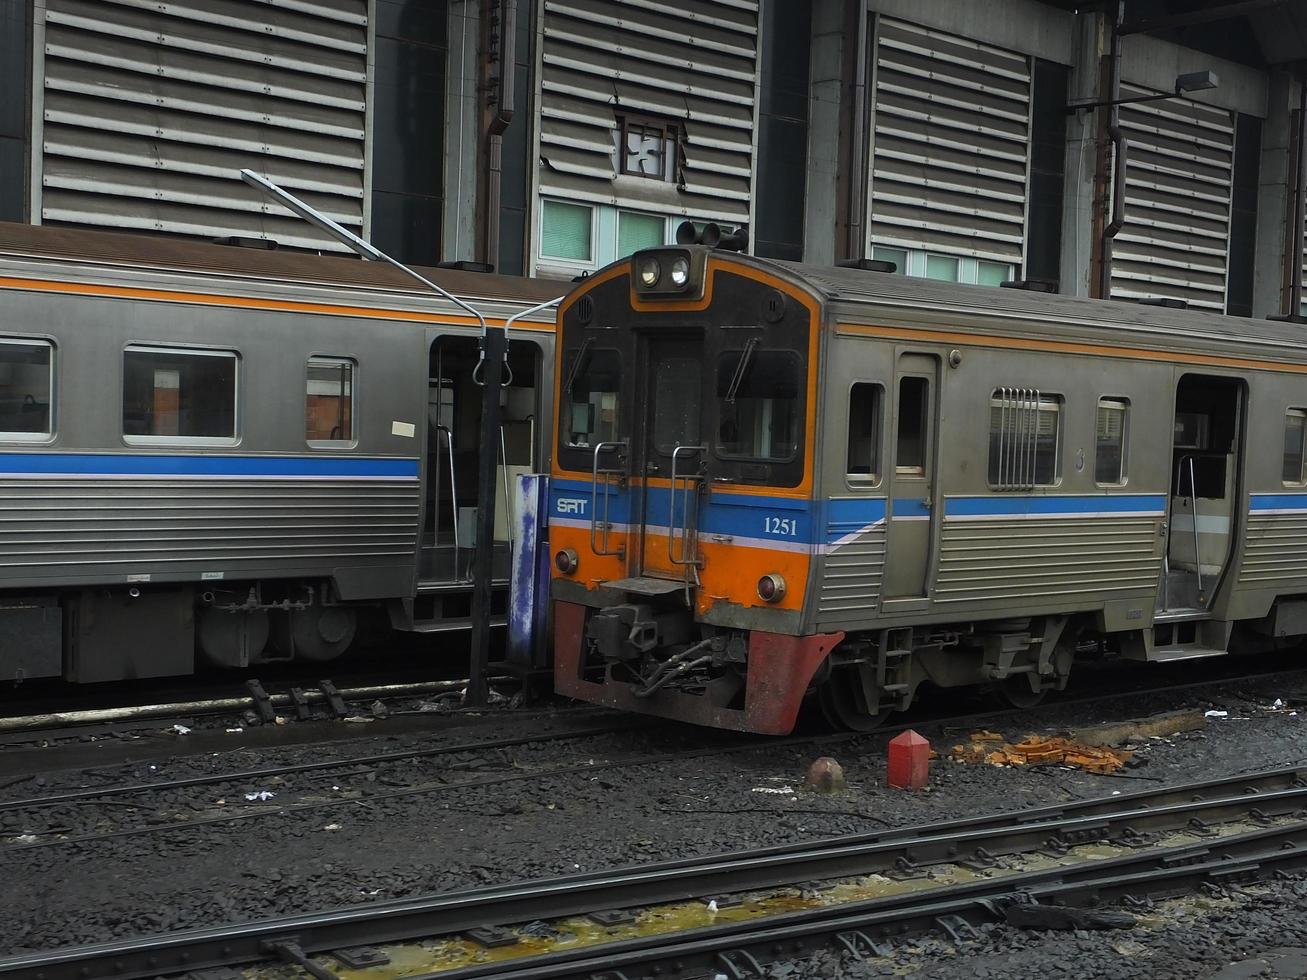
x=758 y=404
x=591 y=397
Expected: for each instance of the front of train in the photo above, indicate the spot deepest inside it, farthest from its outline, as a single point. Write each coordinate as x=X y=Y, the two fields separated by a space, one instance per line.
x=682 y=514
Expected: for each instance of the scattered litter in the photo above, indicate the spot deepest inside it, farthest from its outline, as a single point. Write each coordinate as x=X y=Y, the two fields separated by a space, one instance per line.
x=234 y=731
x=712 y=907
x=1116 y=792
x=181 y=729
x=1278 y=705
x=1036 y=750
x=279 y=720
x=25 y=838
x=261 y=795
x=779 y=790
x=379 y=708
x=332 y=826
x=359 y=720
x=1213 y=713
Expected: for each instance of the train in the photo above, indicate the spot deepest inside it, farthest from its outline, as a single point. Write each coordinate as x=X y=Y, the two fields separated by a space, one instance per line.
x=776 y=485
x=235 y=454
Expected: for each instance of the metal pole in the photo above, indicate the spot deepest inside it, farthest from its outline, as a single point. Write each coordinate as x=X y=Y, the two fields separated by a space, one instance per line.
x=1299 y=205
x=492 y=368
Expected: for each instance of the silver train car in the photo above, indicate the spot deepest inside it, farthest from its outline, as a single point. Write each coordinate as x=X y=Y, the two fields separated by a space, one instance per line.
x=240 y=452
x=774 y=482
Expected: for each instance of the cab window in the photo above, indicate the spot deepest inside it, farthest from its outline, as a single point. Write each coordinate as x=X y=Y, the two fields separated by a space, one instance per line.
x=758 y=404
x=591 y=394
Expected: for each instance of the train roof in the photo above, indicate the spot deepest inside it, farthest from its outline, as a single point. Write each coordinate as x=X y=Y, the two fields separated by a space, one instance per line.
x=171 y=255
x=865 y=294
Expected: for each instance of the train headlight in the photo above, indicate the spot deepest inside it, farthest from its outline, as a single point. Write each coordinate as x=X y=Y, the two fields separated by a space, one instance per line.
x=566 y=561
x=771 y=588
x=650 y=272
x=680 y=272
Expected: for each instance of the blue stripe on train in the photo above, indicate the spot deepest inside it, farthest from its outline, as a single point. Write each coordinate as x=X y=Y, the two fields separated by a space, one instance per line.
x=1054 y=505
x=210 y=465
x=1277 y=502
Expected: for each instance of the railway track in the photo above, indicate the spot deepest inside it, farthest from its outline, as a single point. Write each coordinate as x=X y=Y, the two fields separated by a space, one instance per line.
x=1139 y=845
x=188 y=815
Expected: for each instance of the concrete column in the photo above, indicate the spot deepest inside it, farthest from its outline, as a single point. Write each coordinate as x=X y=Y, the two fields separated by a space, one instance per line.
x=1274 y=196
x=1078 y=196
x=823 y=130
x=462 y=132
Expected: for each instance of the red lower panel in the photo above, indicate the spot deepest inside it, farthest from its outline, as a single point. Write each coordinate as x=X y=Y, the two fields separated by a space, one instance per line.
x=779 y=670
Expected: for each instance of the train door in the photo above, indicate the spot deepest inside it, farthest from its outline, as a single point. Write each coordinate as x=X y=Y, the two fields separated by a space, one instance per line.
x=454 y=441
x=1202 y=518
x=673 y=454
x=911 y=477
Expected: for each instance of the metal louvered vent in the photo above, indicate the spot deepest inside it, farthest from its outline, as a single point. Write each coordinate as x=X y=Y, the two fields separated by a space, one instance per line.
x=952 y=128
x=151 y=109
x=1175 y=239
x=691 y=66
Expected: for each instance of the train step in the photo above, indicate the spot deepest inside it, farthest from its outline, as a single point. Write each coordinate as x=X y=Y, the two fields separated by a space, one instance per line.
x=1184 y=651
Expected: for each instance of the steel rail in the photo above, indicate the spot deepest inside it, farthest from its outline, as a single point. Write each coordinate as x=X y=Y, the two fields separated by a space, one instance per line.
x=857 y=926
x=380 y=758
x=1279 y=792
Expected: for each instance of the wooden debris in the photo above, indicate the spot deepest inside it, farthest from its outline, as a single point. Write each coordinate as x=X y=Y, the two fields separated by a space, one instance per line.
x=1039 y=750
x=1138 y=729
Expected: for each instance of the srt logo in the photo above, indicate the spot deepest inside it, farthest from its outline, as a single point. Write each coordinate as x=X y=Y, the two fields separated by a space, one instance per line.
x=572 y=505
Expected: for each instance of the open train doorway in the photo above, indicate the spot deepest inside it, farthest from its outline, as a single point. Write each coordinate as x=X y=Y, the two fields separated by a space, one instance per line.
x=1201 y=506
x=454 y=445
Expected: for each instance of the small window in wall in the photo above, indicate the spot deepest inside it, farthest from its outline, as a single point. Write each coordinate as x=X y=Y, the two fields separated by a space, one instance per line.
x=758 y=404
x=565 y=231
x=1025 y=428
x=898 y=256
x=592 y=389
x=648 y=148
x=636 y=231
x=863 y=458
x=329 y=402
x=1295 y=425
x=910 y=446
x=1110 y=441
x=942 y=267
x=26 y=387
x=992 y=273
x=179 y=396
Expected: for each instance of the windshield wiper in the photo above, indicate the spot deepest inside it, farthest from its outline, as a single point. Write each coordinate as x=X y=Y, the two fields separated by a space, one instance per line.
x=576 y=365
x=741 y=370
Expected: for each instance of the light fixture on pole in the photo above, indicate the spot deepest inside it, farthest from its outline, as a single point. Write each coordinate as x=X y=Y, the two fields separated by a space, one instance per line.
x=1194 y=81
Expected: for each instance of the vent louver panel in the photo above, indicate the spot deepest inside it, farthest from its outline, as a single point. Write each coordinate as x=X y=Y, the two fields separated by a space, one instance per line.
x=151 y=109
x=690 y=64
x=952 y=123
x=1175 y=239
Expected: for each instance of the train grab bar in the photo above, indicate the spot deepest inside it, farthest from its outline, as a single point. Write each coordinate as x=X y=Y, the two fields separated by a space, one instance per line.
x=689 y=555
x=618 y=447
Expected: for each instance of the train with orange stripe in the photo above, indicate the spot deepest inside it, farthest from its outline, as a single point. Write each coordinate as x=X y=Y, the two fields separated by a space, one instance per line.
x=234 y=454
x=775 y=483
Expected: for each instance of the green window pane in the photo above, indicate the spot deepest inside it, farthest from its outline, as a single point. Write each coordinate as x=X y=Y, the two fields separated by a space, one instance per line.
x=941 y=267
x=993 y=273
x=565 y=231
x=896 y=255
x=637 y=231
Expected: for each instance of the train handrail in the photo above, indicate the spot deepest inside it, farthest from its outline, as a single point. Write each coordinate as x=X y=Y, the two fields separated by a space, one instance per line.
x=1193 y=505
x=453 y=484
x=619 y=447
x=689 y=556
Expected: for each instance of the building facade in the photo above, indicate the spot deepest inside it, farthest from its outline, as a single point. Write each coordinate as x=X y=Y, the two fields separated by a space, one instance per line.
x=550 y=137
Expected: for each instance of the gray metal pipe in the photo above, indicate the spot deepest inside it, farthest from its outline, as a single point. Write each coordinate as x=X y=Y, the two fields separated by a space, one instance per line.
x=93 y=716
x=1299 y=206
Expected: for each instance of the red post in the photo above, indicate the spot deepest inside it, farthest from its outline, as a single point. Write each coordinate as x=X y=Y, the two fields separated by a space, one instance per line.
x=909 y=761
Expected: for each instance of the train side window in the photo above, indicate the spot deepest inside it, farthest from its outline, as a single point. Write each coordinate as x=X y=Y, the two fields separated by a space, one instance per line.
x=862 y=464
x=910 y=451
x=179 y=396
x=329 y=402
x=1111 y=432
x=1025 y=438
x=26 y=390
x=1295 y=426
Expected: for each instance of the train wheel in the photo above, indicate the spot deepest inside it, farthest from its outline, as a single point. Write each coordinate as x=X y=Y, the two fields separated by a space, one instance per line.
x=844 y=706
x=231 y=639
x=317 y=633
x=1016 y=691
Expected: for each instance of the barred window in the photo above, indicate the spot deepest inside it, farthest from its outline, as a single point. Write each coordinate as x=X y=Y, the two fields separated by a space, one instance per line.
x=1025 y=430
x=1110 y=441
